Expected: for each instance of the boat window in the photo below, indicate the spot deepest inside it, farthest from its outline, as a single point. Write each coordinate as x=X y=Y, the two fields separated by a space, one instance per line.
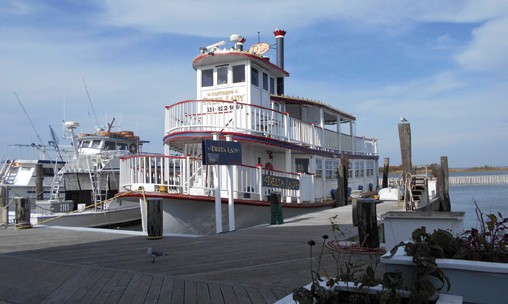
x=254 y=76
x=47 y=172
x=122 y=146
x=96 y=143
x=319 y=168
x=272 y=85
x=207 y=78
x=350 y=170
x=265 y=81
x=222 y=74
x=359 y=169
x=85 y=144
x=302 y=165
x=328 y=169
x=239 y=73
x=109 y=145
x=370 y=168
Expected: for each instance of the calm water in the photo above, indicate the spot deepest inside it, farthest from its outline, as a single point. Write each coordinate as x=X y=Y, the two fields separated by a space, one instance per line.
x=490 y=198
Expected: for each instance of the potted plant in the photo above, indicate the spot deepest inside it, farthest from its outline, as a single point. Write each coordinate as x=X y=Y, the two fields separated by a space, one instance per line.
x=474 y=263
x=357 y=283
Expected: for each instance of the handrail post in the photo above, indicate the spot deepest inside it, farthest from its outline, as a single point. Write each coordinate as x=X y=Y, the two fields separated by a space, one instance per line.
x=260 y=181
x=186 y=174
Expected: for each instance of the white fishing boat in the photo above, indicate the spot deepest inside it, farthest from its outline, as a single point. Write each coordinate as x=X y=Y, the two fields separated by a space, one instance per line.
x=270 y=143
x=82 y=189
x=91 y=180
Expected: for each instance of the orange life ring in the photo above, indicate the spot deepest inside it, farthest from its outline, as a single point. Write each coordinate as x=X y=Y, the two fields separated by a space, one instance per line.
x=268 y=166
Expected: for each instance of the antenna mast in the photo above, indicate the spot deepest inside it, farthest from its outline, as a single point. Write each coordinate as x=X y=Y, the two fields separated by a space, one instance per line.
x=29 y=120
x=91 y=104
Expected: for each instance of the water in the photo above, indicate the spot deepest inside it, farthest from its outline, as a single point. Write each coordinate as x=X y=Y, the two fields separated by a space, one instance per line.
x=489 y=198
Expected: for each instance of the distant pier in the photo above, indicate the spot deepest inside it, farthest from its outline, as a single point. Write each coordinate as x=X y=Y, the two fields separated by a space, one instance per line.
x=478 y=180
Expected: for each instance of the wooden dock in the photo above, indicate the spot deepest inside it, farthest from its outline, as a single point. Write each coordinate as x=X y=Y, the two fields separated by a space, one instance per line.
x=255 y=265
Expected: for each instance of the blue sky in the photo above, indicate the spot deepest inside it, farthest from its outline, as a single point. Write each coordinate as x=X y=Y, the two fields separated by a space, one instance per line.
x=441 y=64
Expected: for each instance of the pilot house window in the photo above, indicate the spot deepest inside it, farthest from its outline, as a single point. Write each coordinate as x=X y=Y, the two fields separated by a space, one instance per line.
x=254 y=75
x=207 y=78
x=222 y=74
x=238 y=73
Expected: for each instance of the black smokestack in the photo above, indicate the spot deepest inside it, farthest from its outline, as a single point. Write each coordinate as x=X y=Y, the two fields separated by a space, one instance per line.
x=279 y=35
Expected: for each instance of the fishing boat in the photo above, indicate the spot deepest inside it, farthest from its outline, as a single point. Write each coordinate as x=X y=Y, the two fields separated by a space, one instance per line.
x=82 y=188
x=243 y=140
x=91 y=181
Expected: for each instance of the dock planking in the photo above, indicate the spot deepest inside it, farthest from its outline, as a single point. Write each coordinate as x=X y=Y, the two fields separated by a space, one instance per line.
x=256 y=265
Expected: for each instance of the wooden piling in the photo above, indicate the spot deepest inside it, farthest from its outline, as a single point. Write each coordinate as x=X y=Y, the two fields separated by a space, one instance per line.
x=344 y=161
x=22 y=214
x=443 y=186
x=368 y=234
x=405 y=152
x=354 y=211
x=4 y=207
x=39 y=181
x=154 y=219
x=386 y=166
x=340 y=195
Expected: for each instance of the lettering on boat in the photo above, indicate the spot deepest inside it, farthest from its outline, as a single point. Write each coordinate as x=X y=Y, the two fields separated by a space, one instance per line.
x=271 y=181
x=217 y=152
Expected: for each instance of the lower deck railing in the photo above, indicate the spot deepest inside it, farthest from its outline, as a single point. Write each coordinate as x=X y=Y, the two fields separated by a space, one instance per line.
x=186 y=175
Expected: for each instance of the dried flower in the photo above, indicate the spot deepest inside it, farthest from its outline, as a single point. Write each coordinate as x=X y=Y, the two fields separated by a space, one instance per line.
x=311 y=243
x=325 y=237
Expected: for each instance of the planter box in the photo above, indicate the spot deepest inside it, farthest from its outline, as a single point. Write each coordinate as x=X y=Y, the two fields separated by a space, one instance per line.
x=398 y=225
x=349 y=286
x=477 y=282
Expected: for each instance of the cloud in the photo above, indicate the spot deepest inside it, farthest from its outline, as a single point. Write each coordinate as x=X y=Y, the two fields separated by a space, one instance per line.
x=488 y=51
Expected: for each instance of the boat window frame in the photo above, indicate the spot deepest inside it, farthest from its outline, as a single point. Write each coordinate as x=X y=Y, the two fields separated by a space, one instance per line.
x=254 y=80
x=238 y=72
x=265 y=82
x=206 y=79
x=222 y=72
x=272 y=85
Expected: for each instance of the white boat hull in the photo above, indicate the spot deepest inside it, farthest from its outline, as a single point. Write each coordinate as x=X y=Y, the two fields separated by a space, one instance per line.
x=389 y=194
x=197 y=217
x=90 y=218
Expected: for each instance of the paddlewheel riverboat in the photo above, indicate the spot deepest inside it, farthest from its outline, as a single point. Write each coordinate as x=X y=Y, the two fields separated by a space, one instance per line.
x=277 y=143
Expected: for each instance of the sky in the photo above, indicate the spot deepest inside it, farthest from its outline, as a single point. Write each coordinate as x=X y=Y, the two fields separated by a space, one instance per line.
x=442 y=64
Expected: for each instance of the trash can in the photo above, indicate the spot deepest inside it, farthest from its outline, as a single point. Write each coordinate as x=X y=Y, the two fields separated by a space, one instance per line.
x=277 y=217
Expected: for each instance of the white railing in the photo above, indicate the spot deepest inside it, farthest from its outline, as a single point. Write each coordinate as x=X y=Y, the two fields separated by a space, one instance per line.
x=219 y=115
x=185 y=175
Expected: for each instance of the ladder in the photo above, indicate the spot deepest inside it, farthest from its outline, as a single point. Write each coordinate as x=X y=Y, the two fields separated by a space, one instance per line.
x=56 y=184
x=416 y=191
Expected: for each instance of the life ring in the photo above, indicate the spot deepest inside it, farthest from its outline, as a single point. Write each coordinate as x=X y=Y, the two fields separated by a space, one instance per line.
x=268 y=166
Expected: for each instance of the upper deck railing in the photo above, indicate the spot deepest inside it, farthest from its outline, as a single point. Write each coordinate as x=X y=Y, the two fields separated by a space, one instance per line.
x=226 y=116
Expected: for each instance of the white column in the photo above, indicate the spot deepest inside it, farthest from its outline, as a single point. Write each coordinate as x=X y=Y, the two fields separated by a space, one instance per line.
x=289 y=164
x=218 y=207
x=231 y=191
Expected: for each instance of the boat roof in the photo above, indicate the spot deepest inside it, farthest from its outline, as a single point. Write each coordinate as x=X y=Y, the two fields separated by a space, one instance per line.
x=314 y=103
x=224 y=57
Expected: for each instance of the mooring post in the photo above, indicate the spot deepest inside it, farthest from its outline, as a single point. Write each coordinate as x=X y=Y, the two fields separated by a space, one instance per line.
x=354 y=210
x=4 y=206
x=368 y=234
x=386 y=166
x=444 y=185
x=22 y=215
x=405 y=152
x=340 y=195
x=39 y=180
x=154 y=219
x=344 y=161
